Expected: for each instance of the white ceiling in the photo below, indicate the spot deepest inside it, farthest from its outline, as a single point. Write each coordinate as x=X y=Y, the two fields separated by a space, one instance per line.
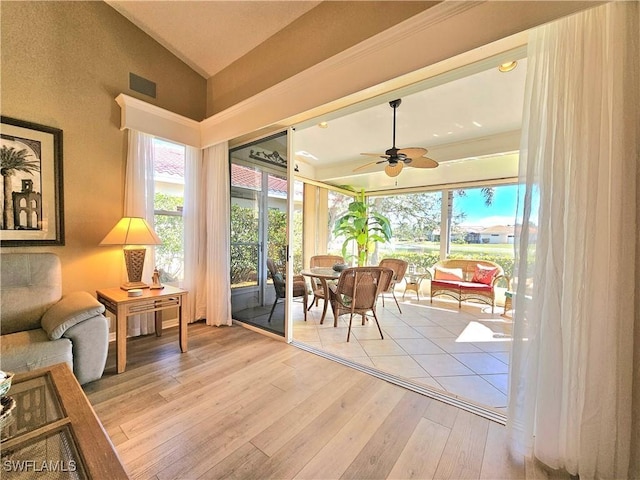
x=210 y=35
x=470 y=125
x=469 y=119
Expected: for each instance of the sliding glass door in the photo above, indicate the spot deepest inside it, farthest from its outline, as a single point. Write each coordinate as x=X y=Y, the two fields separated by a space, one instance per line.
x=259 y=192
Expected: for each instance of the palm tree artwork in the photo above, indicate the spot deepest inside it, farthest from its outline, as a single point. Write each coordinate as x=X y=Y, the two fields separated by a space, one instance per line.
x=13 y=161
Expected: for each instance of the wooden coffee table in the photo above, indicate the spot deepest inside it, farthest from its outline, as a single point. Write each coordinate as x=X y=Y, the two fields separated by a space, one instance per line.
x=53 y=428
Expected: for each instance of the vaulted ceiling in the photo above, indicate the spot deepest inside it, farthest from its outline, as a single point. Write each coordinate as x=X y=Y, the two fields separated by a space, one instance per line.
x=469 y=120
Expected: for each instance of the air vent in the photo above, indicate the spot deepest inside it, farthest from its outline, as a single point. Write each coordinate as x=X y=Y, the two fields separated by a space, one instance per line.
x=142 y=85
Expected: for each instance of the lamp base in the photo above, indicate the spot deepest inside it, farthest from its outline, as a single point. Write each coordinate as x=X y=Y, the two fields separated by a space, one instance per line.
x=131 y=285
x=134 y=260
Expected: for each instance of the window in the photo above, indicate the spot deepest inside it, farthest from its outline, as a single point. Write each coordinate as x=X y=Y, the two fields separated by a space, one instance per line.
x=168 y=170
x=483 y=225
x=415 y=222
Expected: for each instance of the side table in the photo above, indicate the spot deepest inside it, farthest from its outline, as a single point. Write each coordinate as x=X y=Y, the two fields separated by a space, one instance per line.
x=118 y=302
x=413 y=281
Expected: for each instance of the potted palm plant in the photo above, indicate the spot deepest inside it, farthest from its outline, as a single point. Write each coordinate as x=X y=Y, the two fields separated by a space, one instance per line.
x=363 y=226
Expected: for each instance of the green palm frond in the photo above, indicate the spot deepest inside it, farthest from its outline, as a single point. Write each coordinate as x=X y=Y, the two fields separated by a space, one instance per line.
x=12 y=160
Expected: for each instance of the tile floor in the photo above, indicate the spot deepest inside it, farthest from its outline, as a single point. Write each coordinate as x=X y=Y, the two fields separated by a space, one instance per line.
x=461 y=351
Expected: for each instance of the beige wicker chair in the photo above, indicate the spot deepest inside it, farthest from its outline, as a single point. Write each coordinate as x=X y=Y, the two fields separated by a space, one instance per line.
x=299 y=287
x=316 y=286
x=357 y=292
x=399 y=268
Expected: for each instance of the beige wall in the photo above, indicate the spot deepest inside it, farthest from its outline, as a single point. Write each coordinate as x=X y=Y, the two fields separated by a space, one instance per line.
x=63 y=64
x=324 y=31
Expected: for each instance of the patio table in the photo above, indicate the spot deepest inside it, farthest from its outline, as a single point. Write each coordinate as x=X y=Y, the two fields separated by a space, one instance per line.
x=324 y=274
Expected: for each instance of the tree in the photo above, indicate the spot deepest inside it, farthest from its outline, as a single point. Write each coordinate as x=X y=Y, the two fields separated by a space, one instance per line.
x=364 y=226
x=413 y=216
x=169 y=255
x=12 y=161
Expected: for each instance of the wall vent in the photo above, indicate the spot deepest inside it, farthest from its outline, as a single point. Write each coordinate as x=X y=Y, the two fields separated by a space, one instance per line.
x=142 y=85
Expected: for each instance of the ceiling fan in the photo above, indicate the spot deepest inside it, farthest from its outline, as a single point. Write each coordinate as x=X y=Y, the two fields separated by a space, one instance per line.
x=397 y=158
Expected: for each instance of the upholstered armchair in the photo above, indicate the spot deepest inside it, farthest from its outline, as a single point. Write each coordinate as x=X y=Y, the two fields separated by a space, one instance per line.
x=40 y=327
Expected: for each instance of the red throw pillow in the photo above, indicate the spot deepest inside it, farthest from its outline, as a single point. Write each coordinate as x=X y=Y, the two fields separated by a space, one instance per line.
x=484 y=274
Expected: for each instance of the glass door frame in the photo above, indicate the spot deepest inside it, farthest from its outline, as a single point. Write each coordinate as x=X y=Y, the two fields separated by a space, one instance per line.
x=262 y=203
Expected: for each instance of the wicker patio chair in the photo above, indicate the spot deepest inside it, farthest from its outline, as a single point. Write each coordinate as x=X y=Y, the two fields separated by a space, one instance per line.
x=399 y=268
x=357 y=292
x=317 y=288
x=279 y=283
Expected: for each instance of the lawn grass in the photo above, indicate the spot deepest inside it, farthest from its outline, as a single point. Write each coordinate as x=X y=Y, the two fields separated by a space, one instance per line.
x=465 y=248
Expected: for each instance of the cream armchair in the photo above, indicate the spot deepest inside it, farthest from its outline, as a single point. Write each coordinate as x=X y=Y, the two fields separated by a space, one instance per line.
x=40 y=327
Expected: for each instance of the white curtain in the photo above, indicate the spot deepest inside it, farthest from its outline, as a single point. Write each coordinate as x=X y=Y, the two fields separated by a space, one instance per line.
x=576 y=321
x=207 y=243
x=138 y=202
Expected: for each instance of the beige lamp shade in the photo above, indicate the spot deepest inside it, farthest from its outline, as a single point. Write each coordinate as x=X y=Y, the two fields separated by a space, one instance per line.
x=131 y=231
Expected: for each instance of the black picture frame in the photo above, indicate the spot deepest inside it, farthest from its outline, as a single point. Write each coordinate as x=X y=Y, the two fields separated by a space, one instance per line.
x=31 y=204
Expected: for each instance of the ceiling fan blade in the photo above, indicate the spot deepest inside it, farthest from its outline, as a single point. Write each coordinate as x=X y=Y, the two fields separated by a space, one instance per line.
x=366 y=165
x=413 y=152
x=422 y=162
x=381 y=155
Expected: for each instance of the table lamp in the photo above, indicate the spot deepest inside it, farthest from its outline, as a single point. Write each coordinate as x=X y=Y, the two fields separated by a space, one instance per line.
x=133 y=233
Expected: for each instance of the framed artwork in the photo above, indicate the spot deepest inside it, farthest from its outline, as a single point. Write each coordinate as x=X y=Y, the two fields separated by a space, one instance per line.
x=31 y=169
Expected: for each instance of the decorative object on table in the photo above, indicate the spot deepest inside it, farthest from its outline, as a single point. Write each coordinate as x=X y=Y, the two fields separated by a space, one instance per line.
x=132 y=232
x=5 y=382
x=155 y=280
x=396 y=158
x=31 y=165
x=134 y=292
x=363 y=226
x=7 y=404
x=338 y=267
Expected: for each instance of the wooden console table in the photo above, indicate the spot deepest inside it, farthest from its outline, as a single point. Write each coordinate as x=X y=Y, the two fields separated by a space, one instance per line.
x=53 y=432
x=118 y=302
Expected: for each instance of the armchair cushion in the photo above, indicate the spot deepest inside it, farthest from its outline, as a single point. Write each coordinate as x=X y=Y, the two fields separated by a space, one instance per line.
x=31 y=349
x=69 y=311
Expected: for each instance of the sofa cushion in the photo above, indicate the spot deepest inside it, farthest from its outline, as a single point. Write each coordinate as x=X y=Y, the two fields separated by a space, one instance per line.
x=477 y=287
x=31 y=349
x=30 y=284
x=71 y=310
x=452 y=284
x=484 y=274
x=453 y=274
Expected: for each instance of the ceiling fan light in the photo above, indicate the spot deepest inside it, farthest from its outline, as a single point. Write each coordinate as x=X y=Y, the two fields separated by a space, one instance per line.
x=508 y=66
x=393 y=170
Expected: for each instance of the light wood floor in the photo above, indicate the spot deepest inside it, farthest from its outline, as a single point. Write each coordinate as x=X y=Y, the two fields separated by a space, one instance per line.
x=240 y=405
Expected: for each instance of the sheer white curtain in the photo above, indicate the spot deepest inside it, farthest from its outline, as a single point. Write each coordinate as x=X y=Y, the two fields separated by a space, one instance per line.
x=572 y=365
x=138 y=202
x=206 y=222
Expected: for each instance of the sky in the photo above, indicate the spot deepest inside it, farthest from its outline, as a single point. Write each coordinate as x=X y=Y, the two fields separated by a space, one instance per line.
x=501 y=212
